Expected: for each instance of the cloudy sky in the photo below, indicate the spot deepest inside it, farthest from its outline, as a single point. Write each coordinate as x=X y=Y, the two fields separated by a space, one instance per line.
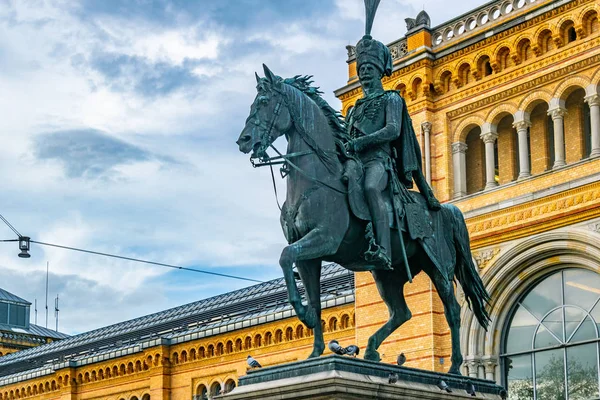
x=117 y=127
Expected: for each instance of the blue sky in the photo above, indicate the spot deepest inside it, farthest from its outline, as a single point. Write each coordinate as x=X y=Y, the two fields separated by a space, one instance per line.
x=118 y=121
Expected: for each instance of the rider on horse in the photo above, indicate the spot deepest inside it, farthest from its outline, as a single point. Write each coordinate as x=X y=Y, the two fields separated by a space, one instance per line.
x=382 y=137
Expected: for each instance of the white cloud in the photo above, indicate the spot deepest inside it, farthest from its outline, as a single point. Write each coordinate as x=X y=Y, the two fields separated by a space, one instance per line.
x=197 y=202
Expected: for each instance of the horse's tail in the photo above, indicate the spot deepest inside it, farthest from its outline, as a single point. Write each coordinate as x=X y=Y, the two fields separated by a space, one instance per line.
x=475 y=293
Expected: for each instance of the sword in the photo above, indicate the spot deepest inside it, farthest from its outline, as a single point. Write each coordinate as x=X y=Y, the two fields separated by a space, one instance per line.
x=397 y=217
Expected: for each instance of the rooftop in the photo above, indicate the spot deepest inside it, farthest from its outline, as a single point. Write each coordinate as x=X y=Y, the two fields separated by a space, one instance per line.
x=254 y=305
x=11 y=298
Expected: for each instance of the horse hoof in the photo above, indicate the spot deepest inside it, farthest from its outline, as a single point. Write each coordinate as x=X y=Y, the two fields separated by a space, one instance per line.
x=372 y=356
x=316 y=353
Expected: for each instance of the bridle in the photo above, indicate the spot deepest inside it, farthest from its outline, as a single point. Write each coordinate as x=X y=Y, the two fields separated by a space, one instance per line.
x=285 y=160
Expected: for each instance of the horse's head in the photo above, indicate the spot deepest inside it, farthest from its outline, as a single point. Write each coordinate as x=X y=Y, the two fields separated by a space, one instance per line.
x=269 y=116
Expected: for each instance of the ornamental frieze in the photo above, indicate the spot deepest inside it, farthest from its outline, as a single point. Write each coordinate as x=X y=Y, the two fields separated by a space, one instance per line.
x=525 y=86
x=537 y=216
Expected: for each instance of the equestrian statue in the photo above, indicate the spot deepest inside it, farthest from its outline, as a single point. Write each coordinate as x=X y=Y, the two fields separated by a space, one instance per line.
x=348 y=199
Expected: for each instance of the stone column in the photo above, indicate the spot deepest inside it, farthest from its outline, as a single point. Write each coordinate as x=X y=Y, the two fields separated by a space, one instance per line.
x=593 y=101
x=459 y=160
x=490 y=364
x=473 y=367
x=557 y=111
x=489 y=134
x=521 y=124
x=426 y=126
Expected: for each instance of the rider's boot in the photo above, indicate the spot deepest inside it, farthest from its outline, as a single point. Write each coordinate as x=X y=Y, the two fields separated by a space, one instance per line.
x=381 y=257
x=425 y=190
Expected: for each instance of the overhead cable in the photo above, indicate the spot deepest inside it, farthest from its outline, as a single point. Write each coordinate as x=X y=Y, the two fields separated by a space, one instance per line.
x=148 y=262
x=10 y=226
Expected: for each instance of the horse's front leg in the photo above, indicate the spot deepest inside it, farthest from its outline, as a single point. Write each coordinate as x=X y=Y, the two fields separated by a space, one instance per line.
x=307 y=254
x=286 y=261
x=310 y=272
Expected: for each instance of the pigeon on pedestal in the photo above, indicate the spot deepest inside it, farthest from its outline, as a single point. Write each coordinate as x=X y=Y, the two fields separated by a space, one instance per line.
x=335 y=347
x=444 y=386
x=252 y=363
x=352 y=350
x=392 y=378
x=401 y=359
x=471 y=388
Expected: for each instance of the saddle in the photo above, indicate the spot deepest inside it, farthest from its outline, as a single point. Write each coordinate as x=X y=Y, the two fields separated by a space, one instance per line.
x=414 y=215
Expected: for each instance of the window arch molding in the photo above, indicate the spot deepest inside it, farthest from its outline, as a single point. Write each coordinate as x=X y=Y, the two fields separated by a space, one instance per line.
x=510 y=275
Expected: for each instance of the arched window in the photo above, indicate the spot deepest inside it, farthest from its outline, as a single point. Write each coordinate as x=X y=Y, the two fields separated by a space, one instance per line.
x=268 y=338
x=211 y=351
x=300 y=331
x=229 y=385
x=507 y=157
x=248 y=343
x=551 y=344
x=345 y=322
x=577 y=120
x=475 y=160
x=229 y=347
x=289 y=334
x=220 y=349
x=257 y=340
x=278 y=336
x=201 y=352
x=238 y=344
x=215 y=389
x=333 y=324
x=184 y=357
x=201 y=392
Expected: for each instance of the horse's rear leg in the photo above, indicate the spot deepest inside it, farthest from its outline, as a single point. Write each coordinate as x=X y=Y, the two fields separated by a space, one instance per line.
x=310 y=272
x=445 y=290
x=391 y=289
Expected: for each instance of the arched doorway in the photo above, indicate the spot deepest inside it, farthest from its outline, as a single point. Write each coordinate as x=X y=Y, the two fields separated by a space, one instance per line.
x=551 y=342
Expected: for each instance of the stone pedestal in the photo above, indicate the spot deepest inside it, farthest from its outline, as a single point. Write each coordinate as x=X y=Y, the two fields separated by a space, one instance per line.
x=344 y=378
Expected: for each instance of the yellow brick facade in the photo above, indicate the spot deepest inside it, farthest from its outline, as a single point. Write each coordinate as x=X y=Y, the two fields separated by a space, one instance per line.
x=479 y=81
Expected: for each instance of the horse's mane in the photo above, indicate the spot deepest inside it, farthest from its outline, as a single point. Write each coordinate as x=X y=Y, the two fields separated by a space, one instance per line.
x=334 y=118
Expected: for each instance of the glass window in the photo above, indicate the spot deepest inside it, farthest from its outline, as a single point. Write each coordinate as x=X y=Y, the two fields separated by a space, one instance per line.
x=3 y=313
x=551 y=345
x=17 y=315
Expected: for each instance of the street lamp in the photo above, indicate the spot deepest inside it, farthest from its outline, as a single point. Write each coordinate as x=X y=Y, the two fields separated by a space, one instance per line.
x=24 y=246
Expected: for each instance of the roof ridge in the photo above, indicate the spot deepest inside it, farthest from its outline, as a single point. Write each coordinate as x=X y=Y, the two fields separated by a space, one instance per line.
x=8 y=296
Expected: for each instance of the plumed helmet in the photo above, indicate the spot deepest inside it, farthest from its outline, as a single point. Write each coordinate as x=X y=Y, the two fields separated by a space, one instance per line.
x=369 y=50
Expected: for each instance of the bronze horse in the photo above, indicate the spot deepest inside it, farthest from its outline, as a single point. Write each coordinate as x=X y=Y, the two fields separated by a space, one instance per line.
x=319 y=225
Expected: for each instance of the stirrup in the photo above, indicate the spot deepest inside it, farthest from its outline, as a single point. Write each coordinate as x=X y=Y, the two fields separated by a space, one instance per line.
x=379 y=259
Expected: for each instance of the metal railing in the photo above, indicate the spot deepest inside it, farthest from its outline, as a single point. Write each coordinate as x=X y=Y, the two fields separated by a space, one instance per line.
x=478 y=19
